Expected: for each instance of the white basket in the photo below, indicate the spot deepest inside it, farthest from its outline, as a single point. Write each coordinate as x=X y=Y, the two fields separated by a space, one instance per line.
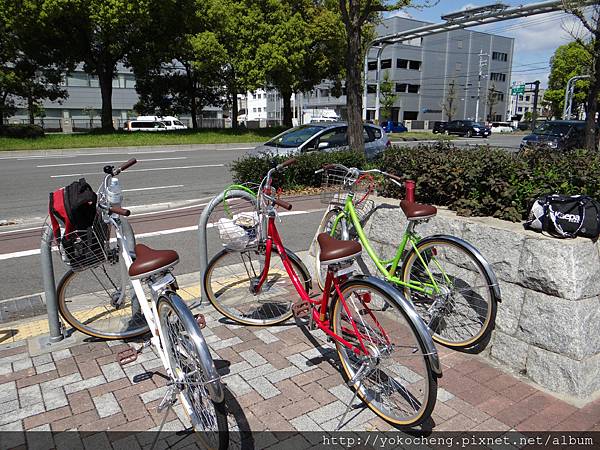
x=239 y=232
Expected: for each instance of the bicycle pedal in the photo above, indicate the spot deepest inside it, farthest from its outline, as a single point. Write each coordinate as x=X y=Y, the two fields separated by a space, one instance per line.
x=301 y=309
x=127 y=356
x=200 y=320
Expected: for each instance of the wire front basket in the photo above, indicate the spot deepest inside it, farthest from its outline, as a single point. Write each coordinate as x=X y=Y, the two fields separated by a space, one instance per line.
x=236 y=221
x=337 y=185
x=85 y=249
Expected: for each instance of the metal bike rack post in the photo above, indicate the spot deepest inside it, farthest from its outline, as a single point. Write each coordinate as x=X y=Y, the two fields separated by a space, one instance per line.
x=203 y=224
x=56 y=334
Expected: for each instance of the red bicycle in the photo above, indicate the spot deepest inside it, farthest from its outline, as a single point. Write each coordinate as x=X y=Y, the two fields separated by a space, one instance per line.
x=384 y=347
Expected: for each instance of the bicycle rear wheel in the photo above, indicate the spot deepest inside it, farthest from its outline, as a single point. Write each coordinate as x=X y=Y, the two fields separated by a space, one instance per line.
x=231 y=275
x=94 y=302
x=400 y=386
x=461 y=313
x=194 y=371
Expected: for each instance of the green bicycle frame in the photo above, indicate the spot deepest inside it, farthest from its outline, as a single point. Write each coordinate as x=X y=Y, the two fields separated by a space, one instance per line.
x=408 y=237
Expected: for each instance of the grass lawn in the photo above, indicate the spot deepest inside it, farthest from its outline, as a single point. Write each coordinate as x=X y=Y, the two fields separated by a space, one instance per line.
x=125 y=139
x=420 y=136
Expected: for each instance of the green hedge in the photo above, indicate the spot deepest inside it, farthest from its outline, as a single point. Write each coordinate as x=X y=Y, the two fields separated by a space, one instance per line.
x=299 y=175
x=491 y=182
x=478 y=182
x=21 y=131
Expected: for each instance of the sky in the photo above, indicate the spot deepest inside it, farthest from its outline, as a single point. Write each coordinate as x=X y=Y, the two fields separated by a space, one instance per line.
x=536 y=37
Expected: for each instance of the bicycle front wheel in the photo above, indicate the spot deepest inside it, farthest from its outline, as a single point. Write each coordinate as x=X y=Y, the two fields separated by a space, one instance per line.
x=232 y=275
x=398 y=382
x=451 y=291
x=193 y=370
x=98 y=303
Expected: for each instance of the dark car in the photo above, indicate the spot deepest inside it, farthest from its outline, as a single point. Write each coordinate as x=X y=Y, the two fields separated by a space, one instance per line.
x=439 y=127
x=556 y=135
x=393 y=127
x=468 y=128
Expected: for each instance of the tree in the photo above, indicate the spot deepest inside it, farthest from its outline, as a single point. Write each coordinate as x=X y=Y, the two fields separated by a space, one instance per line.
x=569 y=60
x=449 y=104
x=591 y=23
x=103 y=33
x=358 y=16
x=387 y=96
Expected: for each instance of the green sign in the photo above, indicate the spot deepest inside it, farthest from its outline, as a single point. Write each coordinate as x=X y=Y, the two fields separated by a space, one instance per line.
x=518 y=90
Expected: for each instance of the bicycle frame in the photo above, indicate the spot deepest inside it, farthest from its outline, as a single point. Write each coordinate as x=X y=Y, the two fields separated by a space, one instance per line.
x=320 y=305
x=408 y=236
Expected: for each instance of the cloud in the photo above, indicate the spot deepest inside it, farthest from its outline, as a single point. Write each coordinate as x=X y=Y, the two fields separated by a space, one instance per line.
x=536 y=35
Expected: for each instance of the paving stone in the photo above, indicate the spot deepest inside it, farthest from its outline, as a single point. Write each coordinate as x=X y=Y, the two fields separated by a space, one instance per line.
x=54 y=398
x=305 y=423
x=237 y=385
x=62 y=381
x=42 y=359
x=35 y=379
x=132 y=370
x=283 y=374
x=80 y=402
x=226 y=343
x=22 y=364
x=6 y=369
x=327 y=412
x=155 y=394
x=152 y=364
x=253 y=358
x=30 y=395
x=12 y=358
x=84 y=384
x=61 y=354
x=264 y=387
x=19 y=414
x=239 y=367
x=342 y=392
x=265 y=336
x=112 y=371
x=443 y=395
x=47 y=417
x=8 y=407
x=12 y=426
x=8 y=391
x=45 y=368
x=255 y=372
x=301 y=362
x=106 y=405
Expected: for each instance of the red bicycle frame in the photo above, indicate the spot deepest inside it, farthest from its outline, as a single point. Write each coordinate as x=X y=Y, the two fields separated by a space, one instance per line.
x=320 y=304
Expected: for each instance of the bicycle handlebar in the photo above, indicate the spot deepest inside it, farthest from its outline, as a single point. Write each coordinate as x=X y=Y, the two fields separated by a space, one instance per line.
x=283 y=204
x=119 y=211
x=286 y=163
x=394 y=178
x=127 y=165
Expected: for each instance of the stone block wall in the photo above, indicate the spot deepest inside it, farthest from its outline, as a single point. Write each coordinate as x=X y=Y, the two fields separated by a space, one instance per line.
x=548 y=323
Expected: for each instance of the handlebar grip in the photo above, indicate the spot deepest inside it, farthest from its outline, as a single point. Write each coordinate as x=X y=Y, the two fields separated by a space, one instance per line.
x=283 y=204
x=329 y=166
x=394 y=177
x=284 y=164
x=128 y=164
x=119 y=211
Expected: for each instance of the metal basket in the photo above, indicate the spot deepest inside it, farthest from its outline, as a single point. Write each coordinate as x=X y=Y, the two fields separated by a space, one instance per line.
x=84 y=249
x=336 y=185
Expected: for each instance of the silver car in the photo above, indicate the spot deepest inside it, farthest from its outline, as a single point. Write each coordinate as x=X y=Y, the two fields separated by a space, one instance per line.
x=322 y=137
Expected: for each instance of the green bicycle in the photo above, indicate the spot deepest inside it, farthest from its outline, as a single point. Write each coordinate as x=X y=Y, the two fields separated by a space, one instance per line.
x=452 y=287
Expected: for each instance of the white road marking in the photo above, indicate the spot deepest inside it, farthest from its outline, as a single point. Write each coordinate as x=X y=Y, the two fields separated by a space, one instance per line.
x=142 y=170
x=152 y=188
x=36 y=251
x=109 y=162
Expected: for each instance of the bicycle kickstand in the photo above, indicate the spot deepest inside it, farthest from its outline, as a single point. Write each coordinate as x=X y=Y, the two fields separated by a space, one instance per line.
x=358 y=376
x=166 y=404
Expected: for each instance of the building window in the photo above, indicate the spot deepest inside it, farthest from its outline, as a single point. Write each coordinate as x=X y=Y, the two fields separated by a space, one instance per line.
x=371 y=88
x=414 y=65
x=458 y=67
x=527 y=98
x=520 y=109
x=78 y=79
x=253 y=109
x=402 y=64
x=386 y=63
x=409 y=88
x=499 y=56
x=408 y=64
x=372 y=65
x=411 y=115
x=459 y=44
x=497 y=76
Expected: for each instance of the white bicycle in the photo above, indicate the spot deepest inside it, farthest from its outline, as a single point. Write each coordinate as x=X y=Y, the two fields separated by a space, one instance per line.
x=137 y=294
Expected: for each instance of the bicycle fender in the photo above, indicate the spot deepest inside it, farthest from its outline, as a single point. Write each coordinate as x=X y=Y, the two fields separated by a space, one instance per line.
x=489 y=272
x=215 y=388
x=406 y=306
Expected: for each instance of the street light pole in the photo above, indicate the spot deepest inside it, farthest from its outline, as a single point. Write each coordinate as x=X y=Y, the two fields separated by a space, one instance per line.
x=482 y=64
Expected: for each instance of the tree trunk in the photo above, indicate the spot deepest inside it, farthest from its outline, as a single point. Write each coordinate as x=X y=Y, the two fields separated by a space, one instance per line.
x=105 y=79
x=286 y=94
x=233 y=91
x=192 y=94
x=30 y=107
x=591 y=137
x=354 y=60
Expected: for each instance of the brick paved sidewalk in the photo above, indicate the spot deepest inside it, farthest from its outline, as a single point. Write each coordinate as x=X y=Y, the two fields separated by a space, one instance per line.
x=279 y=380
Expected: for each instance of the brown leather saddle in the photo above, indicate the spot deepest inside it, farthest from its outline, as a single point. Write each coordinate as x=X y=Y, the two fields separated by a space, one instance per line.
x=149 y=261
x=334 y=250
x=417 y=211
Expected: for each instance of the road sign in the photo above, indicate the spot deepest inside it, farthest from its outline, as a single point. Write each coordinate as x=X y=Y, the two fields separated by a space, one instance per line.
x=518 y=90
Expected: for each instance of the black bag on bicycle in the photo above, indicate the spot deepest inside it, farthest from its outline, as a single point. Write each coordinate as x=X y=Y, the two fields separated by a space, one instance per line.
x=565 y=216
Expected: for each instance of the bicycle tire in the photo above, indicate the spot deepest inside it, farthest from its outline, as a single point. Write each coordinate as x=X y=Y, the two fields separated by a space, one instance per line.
x=261 y=318
x=423 y=382
x=413 y=271
x=73 y=309
x=182 y=336
x=326 y=226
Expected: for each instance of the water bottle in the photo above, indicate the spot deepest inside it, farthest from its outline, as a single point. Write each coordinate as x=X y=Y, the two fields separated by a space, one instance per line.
x=114 y=193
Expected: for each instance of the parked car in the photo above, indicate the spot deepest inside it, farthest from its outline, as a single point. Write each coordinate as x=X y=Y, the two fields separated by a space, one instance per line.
x=557 y=135
x=468 y=128
x=393 y=127
x=439 y=127
x=172 y=123
x=502 y=127
x=144 y=125
x=322 y=137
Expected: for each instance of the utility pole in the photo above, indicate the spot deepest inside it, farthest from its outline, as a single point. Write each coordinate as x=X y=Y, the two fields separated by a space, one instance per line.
x=536 y=93
x=482 y=64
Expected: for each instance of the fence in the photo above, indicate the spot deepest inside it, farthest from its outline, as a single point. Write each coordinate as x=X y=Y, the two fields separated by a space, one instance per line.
x=50 y=125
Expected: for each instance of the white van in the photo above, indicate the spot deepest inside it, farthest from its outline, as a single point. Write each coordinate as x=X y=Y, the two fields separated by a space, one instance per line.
x=144 y=125
x=172 y=123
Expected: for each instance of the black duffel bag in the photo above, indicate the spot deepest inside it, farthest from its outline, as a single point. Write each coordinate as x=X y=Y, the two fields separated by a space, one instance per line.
x=565 y=216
